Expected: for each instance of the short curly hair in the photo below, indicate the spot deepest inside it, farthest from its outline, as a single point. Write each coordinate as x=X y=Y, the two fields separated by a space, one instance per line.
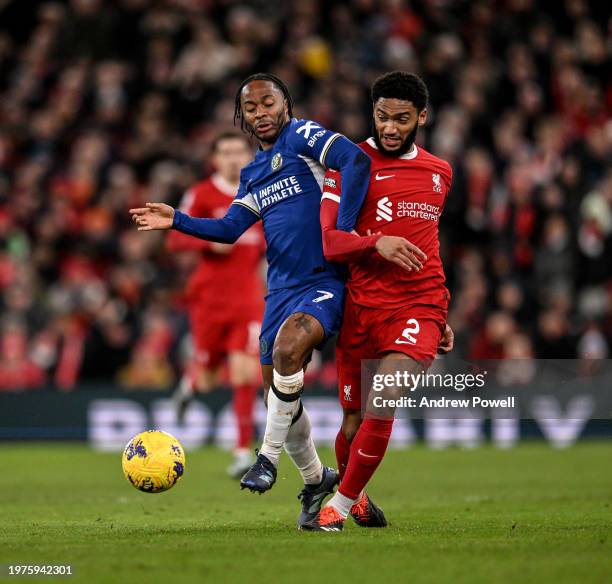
x=401 y=85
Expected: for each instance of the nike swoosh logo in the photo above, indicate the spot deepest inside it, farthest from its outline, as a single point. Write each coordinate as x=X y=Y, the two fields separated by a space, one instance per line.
x=366 y=455
x=383 y=177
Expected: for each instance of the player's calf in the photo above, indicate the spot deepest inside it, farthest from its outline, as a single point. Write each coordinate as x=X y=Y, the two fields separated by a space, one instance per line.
x=351 y=420
x=283 y=406
x=350 y=425
x=296 y=338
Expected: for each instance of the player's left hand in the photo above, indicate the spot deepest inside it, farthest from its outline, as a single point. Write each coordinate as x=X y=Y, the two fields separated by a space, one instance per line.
x=400 y=251
x=447 y=342
x=153 y=216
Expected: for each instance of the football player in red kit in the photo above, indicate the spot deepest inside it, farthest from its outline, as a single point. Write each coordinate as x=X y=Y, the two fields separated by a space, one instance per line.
x=225 y=296
x=397 y=303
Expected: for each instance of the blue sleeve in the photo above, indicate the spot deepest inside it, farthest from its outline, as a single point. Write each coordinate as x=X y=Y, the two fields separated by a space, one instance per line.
x=333 y=150
x=311 y=139
x=354 y=166
x=240 y=216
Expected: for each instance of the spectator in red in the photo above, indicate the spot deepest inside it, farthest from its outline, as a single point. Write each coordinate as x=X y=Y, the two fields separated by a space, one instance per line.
x=17 y=369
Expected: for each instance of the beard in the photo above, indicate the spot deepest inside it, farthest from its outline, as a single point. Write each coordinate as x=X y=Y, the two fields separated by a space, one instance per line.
x=405 y=147
x=280 y=123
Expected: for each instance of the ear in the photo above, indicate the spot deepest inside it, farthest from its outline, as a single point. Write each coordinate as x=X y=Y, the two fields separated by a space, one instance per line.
x=422 y=117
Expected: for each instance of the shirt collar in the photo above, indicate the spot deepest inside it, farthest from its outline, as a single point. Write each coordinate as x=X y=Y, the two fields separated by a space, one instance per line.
x=407 y=156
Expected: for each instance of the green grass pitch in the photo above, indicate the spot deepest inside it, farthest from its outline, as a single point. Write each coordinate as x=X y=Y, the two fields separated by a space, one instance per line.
x=531 y=514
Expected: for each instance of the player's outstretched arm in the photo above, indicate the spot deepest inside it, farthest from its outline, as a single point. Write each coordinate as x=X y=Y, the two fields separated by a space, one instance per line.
x=191 y=203
x=225 y=230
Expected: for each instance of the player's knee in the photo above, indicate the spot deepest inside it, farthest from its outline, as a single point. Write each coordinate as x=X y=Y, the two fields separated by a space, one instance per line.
x=351 y=421
x=243 y=370
x=349 y=432
x=203 y=381
x=288 y=387
x=288 y=356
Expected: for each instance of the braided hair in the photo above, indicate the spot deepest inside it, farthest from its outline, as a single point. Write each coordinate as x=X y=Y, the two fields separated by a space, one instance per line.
x=260 y=77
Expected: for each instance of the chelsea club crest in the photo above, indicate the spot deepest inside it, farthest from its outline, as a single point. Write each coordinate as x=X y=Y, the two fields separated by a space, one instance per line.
x=277 y=161
x=263 y=345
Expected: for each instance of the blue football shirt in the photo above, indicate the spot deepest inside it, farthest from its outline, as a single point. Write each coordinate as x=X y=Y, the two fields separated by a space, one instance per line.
x=282 y=186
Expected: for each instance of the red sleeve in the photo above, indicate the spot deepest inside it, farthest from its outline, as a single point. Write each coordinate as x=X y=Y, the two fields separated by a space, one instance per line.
x=449 y=175
x=177 y=241
x=449 y=180
x=340 y=246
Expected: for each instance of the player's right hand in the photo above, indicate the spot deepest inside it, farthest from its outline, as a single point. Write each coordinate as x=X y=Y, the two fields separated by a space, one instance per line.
x=401 y=252
x=447 y=342
x=153 y=216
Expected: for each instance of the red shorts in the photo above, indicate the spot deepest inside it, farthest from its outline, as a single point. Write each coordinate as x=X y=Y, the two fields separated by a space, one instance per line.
x=216 y=335
x=371 y=333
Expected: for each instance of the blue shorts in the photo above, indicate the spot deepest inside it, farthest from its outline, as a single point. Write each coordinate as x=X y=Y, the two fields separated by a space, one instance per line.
x=323 y=300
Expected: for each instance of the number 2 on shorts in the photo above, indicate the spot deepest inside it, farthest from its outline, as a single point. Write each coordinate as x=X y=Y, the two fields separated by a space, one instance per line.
x=407 y=337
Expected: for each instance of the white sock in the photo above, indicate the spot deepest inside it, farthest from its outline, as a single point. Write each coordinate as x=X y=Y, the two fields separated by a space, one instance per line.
x=341 y=503
x=300 y=447
x=280 y=414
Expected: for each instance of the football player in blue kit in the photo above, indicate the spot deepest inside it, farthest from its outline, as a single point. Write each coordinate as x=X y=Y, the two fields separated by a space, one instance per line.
x=282 y=186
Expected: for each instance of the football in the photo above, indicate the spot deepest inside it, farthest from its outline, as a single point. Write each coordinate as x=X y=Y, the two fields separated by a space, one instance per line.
x=153 y=461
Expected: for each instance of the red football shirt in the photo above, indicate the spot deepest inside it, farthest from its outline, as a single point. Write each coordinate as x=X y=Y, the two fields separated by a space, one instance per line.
x=229 y=283
x=405 y=198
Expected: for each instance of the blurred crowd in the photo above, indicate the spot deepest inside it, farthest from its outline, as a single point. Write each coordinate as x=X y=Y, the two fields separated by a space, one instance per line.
x=107 y=104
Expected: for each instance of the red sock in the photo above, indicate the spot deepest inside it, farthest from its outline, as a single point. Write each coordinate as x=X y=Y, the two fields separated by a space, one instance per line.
x=367 y=451
x=244 y=399
x=343 y=449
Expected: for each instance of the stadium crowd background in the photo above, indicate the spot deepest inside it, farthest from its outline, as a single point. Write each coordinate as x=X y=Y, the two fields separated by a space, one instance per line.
x=105 y=105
